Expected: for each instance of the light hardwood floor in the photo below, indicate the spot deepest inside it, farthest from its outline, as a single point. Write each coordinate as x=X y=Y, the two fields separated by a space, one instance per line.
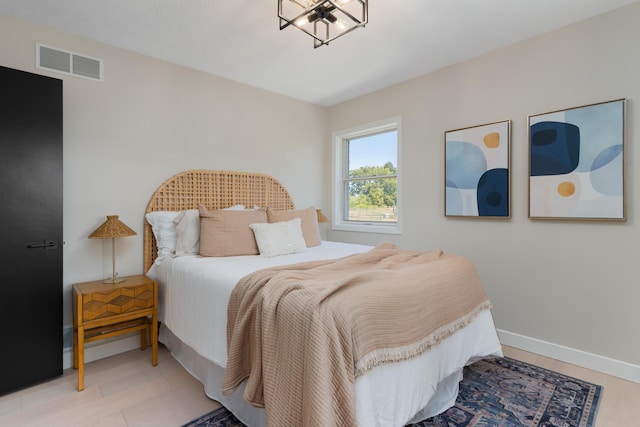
x=126 y=391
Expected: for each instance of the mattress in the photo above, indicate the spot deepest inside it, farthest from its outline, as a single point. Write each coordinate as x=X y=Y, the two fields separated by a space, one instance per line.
x=193 y=295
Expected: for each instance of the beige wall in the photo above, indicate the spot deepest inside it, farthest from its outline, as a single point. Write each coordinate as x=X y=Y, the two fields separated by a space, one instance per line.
x=149 y=120
x=566 y=283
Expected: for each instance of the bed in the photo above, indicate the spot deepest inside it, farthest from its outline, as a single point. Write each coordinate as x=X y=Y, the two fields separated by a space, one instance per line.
x=195 y=311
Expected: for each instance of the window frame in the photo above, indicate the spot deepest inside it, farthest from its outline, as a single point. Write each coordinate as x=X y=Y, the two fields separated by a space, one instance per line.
x=340 y=173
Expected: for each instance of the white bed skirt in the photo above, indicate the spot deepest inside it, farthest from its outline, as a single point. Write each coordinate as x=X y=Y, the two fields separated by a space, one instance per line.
x=437 y=396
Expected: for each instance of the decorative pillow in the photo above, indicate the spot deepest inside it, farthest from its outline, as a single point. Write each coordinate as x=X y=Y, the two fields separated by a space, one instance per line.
x=227 y=232
x=164 y=232
x=187 y=225
x=279 y=238
x=235 y=208
x=309 y=222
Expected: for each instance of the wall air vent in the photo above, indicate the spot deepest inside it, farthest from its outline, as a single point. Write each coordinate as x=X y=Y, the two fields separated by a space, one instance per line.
x=65 y=62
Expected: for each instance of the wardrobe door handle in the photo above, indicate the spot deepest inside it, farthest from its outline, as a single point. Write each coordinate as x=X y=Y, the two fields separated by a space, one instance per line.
x=44 y=245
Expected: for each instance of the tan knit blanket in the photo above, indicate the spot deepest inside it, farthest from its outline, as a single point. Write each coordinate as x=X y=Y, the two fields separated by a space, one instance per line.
x=302 y=333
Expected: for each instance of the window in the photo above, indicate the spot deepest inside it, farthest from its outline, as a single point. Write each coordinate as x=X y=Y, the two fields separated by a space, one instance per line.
x=366 y=179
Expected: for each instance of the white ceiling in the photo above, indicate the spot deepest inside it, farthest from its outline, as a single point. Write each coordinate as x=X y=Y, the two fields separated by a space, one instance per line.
x=240 y=39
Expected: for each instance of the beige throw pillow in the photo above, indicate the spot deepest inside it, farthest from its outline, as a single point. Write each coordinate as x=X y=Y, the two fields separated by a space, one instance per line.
x=227 y=232
x=308 y=218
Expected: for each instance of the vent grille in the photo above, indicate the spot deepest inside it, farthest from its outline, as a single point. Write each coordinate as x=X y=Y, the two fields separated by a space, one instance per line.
x=65 y=62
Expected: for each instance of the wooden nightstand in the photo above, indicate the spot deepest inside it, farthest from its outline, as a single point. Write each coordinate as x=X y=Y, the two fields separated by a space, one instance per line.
x=103 y=310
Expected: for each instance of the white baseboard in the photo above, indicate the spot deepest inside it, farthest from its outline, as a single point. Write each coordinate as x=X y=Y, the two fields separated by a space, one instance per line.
x=595 y=362
x=101 y=349
x=627 y=371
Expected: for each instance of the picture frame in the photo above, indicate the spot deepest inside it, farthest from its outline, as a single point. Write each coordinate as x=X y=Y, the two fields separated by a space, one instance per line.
x=576 y=163
x=477 y=171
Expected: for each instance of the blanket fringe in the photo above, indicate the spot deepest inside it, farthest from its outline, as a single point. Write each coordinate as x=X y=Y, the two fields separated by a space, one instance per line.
x=389 y=355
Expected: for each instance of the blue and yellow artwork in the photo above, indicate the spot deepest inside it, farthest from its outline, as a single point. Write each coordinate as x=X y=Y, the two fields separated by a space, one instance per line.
x=477 y=171
x=576 y=164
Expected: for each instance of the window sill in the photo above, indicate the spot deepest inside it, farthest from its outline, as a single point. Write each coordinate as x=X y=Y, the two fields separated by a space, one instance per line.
x=368 y=228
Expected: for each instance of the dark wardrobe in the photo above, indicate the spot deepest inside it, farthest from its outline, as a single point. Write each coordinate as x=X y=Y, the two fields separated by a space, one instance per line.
x=30 y=229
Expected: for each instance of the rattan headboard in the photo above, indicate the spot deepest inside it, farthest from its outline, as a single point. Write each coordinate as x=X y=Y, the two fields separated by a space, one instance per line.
x=215 y=190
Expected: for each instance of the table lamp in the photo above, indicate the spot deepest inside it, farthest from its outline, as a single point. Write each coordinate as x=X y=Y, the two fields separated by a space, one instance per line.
x=111 y=229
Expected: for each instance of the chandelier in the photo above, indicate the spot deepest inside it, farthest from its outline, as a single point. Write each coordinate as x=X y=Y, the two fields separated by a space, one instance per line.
x=324 y=20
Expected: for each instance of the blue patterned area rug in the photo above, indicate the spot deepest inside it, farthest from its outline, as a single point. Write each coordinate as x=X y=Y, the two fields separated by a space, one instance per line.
x=497 y=393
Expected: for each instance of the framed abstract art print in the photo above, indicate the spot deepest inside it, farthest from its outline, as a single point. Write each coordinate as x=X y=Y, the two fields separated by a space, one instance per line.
x=477 y=171
x=576 y=163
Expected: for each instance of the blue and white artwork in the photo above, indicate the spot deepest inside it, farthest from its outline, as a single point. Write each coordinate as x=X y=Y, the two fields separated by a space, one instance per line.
x=477 y=171
x=576 y=163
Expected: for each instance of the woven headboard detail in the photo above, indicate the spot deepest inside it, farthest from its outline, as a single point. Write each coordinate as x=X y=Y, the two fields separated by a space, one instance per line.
x=215 y=190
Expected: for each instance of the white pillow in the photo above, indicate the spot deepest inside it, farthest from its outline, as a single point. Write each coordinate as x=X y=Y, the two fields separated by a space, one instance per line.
x=279 y=238
x=234 y=208
x=164 y=231
x=187 y=225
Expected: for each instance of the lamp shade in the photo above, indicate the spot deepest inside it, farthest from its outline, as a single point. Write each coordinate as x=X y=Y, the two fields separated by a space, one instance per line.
x=111 y=228
x=321 y=216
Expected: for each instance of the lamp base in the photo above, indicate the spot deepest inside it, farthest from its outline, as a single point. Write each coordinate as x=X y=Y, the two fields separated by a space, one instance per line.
x=114 y=280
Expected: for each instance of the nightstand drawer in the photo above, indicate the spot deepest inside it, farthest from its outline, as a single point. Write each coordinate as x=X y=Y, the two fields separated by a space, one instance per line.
x=110 y=302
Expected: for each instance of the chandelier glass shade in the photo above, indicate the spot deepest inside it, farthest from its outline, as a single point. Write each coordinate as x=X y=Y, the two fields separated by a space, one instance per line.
x=324 y=20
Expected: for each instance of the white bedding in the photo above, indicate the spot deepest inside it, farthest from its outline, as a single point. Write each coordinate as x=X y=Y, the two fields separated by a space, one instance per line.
x=193 y=299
